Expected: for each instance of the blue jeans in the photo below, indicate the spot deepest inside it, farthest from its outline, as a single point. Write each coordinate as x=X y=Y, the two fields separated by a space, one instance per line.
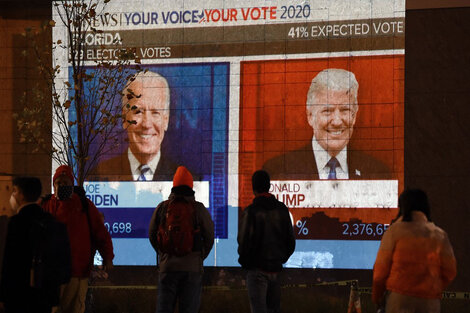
x=264 y=291
x=182 y=286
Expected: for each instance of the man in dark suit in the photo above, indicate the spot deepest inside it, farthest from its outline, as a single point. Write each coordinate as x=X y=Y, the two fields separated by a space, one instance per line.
x=331 y=112
x=146 y=107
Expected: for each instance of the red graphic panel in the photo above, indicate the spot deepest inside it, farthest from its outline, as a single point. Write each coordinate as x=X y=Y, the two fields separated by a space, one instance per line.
x=273 y=123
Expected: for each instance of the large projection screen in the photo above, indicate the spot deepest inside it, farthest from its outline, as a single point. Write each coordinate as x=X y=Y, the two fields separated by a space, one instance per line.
x=239 y=76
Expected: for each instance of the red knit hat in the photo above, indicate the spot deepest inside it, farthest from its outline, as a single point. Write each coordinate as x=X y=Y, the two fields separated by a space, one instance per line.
x=183 y=177
x=63 y=170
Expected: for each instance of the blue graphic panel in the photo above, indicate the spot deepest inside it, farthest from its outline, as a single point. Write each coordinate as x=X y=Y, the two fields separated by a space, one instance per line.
x=197 y=135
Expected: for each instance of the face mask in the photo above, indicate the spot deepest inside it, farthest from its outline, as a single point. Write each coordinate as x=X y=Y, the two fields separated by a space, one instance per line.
x=13 y=203
x=64 y=192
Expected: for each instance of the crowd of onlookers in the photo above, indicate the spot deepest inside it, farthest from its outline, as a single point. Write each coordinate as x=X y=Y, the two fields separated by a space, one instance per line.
x=48 y=245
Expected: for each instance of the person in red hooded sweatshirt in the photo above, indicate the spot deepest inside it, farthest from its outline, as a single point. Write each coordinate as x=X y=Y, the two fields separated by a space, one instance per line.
x=86 y=232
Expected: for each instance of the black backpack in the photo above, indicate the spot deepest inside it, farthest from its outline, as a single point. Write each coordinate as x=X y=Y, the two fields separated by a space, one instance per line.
x=51 y=264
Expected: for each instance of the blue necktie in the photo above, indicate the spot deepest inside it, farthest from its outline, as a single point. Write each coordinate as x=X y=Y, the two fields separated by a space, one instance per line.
x=332 y=164
x=144 y=168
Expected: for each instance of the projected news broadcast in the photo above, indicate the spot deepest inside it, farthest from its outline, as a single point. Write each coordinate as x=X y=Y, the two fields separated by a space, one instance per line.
x=312 y=92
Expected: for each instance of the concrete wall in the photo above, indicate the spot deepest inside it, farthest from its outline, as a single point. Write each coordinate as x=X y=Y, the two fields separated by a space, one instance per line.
x=437 y=131
x=18 y=74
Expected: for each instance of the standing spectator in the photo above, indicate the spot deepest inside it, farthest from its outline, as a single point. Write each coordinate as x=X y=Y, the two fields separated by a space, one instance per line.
x=86 y=232
x=4 y=219
x=265 y=242
x=415 y=261
x=181 y=261
x=37 y=253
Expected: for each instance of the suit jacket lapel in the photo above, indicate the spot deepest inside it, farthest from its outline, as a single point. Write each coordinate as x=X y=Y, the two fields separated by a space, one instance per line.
x=354 y=168
x=165 y=170
x=310 y=162
x=126 y=167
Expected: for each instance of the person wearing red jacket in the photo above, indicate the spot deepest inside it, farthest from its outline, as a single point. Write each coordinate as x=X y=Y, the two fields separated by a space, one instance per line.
x=86 y=232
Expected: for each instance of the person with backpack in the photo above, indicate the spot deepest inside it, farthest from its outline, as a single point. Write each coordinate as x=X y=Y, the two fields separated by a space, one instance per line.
x=87 y=234
x=37 y=253
x=265 y=242
x=182 y=233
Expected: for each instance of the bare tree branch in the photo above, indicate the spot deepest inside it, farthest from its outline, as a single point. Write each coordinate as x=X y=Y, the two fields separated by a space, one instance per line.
x=93 y=94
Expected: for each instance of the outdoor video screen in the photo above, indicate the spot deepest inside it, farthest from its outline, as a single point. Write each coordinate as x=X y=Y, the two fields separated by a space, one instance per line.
x=310 y=91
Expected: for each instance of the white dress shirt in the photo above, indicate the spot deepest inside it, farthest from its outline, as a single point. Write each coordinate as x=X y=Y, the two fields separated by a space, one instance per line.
x=322 y=157
x=135 y=164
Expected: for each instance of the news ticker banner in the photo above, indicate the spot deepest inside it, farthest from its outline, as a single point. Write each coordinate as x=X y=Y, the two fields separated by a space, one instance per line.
x=128 y=206
x=194 y=29
x=250 y=40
